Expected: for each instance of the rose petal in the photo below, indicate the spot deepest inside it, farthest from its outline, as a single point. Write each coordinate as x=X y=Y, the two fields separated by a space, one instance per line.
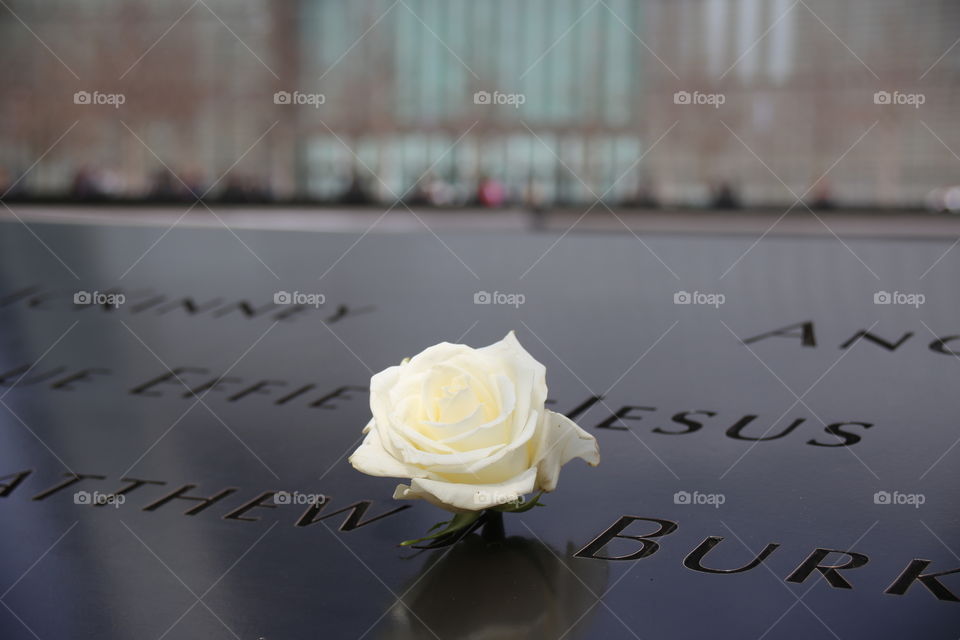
x=448 y=394
x=511 y=458
x=436 y=355
x=453 y=462
x=529 y=376
x=467 y=497
x=464 y=436
x=562 y=441
x=371 y=458
x=398 y=425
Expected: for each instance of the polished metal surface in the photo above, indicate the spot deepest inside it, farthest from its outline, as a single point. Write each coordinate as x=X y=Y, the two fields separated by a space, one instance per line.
x=271 y=398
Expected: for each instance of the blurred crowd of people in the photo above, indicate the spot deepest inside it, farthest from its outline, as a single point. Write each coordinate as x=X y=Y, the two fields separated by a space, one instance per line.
x=95 y=184
x=90 y=184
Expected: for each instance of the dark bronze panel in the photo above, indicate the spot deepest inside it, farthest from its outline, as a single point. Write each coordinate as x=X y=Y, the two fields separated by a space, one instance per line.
x=813 y=444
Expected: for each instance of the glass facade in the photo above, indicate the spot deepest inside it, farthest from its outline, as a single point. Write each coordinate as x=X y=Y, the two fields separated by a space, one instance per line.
x=421 y=64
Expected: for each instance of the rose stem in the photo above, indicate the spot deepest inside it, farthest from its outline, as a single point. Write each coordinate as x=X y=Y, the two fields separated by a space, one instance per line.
x=493 y=526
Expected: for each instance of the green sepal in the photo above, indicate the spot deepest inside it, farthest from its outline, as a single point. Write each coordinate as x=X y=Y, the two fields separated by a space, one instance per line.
x=458 y=522
x=524 y=506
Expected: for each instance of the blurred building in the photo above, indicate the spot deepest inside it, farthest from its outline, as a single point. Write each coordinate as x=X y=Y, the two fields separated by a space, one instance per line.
x=556 y=97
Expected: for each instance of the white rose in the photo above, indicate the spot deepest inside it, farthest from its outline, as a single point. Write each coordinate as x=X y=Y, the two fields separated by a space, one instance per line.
x=468 y=427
